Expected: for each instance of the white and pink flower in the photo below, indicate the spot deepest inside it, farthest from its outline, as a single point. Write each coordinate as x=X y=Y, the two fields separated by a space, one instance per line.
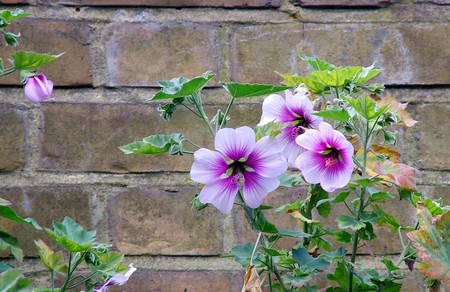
x=118 y=280
x=239 y=163
x=38 y=88
x=327 y=159
x=296 y=111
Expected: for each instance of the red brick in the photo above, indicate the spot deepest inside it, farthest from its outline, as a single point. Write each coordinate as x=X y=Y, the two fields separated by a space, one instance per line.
x=12 y=135
x=54 y=36
x=426 y=144
x=158 y=220
x=345 y=3
x=141 y=54
x=258 y=51
x=85 y=137
x=44 y=204
x=154 y=281
x=176 y=3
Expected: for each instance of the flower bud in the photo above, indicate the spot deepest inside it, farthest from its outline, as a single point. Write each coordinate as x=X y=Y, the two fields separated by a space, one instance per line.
x=38 y=88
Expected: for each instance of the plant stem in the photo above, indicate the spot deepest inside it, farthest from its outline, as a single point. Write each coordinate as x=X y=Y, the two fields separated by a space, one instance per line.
x=7 y=71
x=197 y=101
x=52 y=278
x=227 y=111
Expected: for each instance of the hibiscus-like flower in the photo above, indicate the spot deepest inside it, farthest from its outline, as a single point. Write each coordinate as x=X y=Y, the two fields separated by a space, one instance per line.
x=238 y=163
x=327 y=159
x=296 y=112
x=38 y=88
x=118 y=279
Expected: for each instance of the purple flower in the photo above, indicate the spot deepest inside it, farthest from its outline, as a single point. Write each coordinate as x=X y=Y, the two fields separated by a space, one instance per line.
x=296 y=112
x=38 y=88
x=238 y=163
x=118 y=279
x=328 y=159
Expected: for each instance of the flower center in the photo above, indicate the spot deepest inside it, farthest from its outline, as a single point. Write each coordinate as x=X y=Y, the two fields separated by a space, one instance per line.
x=238 y=179
x=236 y=172
x=330 y=161
x=299 y=127
x=332 y=156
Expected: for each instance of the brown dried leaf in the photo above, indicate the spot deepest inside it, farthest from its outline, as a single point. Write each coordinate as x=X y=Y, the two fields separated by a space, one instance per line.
x=398 y=108
x=251 y=280
x=400 y=174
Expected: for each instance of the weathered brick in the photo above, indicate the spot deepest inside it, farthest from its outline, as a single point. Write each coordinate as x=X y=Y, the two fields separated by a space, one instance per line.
x=257 y=51
x=12 y=135
x=45 y=204
x=176 y=3
x=156 y=220
x=427 y=142
x=140 y=54
x=153 y=281
x=85 y=137
x=13 y=1
x=345 y=3
x=54 y=37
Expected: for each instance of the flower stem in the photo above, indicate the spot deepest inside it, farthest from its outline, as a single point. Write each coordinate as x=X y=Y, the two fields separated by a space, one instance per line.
x=7 y=71
x=52 y=278
x=197 y=101
x=227 y=111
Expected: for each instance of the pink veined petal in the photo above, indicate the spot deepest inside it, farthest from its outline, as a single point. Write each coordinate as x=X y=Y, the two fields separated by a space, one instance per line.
x=337 y=178
x=273 y=108
x=257 y=187
x=267 y=159
x=208 y=166
x=312 y=140
x=38 y=88
x=299 y=104
x=291 y=150
x=220 y=193
x=333 y=138
x=118 y=279
x=310 y=164
x=235 y=144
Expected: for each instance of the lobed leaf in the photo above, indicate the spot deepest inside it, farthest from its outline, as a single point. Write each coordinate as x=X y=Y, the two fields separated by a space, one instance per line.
x=241 y=90
x=155 y=144
x=71 y=236
x=12 y=280
x=181 y=86
x=29 y=60
x=345 y=221
x=302 y=257
x=52 y=260
x=317 y=64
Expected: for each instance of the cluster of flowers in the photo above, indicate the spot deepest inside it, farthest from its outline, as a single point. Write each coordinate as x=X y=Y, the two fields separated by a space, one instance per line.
x=322 y=154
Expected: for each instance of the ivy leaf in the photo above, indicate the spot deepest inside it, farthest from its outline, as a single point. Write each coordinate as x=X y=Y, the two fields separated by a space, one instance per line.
x=13 y=281
x=389 y=265
x=366 y=74
x=431 y=244
x=341 y=276
x=29 y=60
x=338 y=77
x=284 y=232
x=337 y=254
x=342 y=236
x=397 y=108
x=241 y=90
x=9 y=213
x=334 y=114
x=386 y=219
x=293 y=80
x=317 y=64
x=71 y=236
x=8 y=241
x=302 y=257
x=366 y=107
x=345 y=221
x=290 y=181
x=156 y=144
x=108 y=262
x=7 y=16
x=52 y=260
x=243 y=253
x=181 y=86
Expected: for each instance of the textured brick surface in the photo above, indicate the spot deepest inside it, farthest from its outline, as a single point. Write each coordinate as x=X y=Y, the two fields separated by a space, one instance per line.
x=154 y=220
x=176 y=3
x=428 y=141
x=45 y=204
x=153 y=281
x=345 y=3
x=54 y=37
x=12 y=137
x=83 y=137
x=257 y=51
x=13 y=1
x=141 y=54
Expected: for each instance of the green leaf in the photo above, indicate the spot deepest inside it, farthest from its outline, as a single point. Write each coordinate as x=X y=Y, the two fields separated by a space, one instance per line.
x=5 y=266
x=2 y=68
x=241 y=90
x=337 y=254
x=167 y=110
x=242 y=253
x=52 y=260
x=336 y=115
x=9 y=213
x=317 y=64
x=290 y=181
x=156 y=144
x=284 y=232
x=389 y=265
x=338 y=77
x=11 y=39
x=30 y=60
x=108 y=262
x=263 y=224
x=71 y=236
x=341 y=276
x=379 y=197
x=386 y=219
x=8 y=16
x=181 y=86
x=269 y=129
x=342 y=236
x=293 y=80
x=10 y=242
x=365 y=182
x=13 y=281
x=366 y=107
x=366 y=74
x=345 y=221
x=302 y=257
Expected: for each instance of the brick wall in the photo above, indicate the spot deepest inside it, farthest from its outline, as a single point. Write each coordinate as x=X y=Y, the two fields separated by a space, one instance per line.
x=61 y=158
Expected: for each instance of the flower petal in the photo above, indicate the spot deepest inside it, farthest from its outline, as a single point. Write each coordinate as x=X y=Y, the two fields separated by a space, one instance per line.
x=291 y=150
x=257 y=187
x=235 y=144
x=310 y=164
x=266 y=158
x=208 y=166
x=312 y=140
x=220 y=193
x=274 y=110
x=38 y=88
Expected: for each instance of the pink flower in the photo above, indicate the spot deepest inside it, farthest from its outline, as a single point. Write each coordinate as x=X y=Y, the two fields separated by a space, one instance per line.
x=118 y=279
x=38 y=88
x=238 y=163
x=328 y=159
x=296 y=112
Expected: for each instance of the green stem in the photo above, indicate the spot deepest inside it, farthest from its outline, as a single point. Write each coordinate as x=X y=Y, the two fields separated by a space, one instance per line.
x=227 y=111
x=192 y=111
x=192 y=143
x=197 y=101
x=7 y=71
x=82 y=281
x=52 y=278
x=63 y=288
